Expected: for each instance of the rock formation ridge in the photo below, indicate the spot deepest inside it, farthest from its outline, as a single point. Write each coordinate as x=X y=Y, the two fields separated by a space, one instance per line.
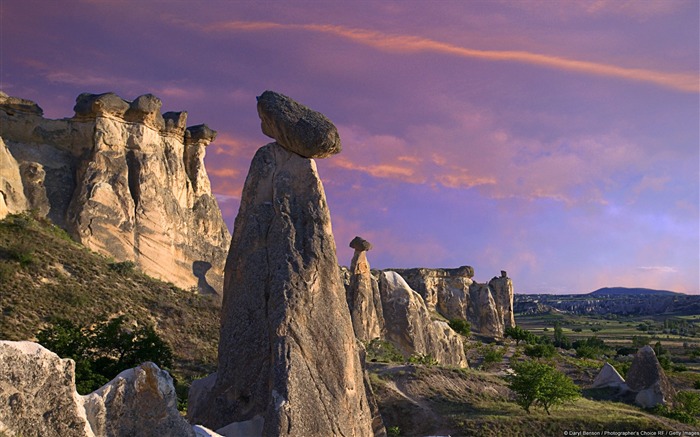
x=122 y=179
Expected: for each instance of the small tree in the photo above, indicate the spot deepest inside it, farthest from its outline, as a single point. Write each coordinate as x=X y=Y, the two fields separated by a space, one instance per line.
x=535 y=383
x=519 y=334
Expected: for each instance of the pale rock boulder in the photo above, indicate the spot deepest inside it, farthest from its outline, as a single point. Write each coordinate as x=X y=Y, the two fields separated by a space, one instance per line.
x=125 y=181
x=411 y=329
x=12 y=198
x=363 y=296
x=483 y=313
x=287 y=351
x=646 y=377
x=139 y=402
x=296 y=127
x=608 y=377
x=37 y=393
x=502 y=292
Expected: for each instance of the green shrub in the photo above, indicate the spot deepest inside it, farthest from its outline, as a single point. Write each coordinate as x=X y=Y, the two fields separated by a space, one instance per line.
x=426 y=360
x=393 y=431
x=383 y=352
x=538 y=384
x=22 y=253
x=123 y=267
x=542 y=350
x=461 y=326
x=492 y=355
x=103 y=351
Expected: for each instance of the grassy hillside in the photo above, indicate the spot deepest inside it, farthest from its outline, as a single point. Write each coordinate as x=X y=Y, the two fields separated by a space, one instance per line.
x=45 y=275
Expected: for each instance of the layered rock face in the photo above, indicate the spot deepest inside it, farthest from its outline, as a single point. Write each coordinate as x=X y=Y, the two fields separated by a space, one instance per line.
x=363 y=296
x=38 y=398
x=409 y=325
x=455 y=295
x=288 y=359
x=122 y=179
x=646 y=377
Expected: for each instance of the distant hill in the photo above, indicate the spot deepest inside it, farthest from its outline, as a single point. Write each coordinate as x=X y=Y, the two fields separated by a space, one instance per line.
x=623 y=291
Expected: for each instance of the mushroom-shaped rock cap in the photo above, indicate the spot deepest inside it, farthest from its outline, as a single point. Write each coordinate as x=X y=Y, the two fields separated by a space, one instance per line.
x=297 y=128
x=360 y=244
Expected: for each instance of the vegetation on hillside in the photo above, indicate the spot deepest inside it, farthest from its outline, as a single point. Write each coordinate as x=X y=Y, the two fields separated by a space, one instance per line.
x=44 y=276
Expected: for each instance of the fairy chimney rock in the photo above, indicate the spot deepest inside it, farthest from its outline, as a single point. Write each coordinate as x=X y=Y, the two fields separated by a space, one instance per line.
x=288 y=358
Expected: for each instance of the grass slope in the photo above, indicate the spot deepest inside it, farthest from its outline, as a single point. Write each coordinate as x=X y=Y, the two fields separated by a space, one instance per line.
x=46 y=275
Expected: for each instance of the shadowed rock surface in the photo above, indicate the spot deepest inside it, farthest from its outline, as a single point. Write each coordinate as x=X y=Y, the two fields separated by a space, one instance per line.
x=297 y=128
x=122 y=179
x=288 y=357
x=646 y=377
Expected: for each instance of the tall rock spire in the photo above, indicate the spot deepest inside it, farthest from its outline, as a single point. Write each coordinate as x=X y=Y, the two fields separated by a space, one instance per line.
x=289 y=363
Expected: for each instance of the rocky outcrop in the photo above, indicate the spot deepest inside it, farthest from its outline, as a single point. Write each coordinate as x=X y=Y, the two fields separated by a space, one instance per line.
x=502 y=291
x=646 y=377
x=122 y=179
x=608 y=377
x=38 y=399
x=138 y=402
x=362 y=295
x=12 y=198
x=410 y=327
x=288 y=357
x=37 y=393
x=455 y=295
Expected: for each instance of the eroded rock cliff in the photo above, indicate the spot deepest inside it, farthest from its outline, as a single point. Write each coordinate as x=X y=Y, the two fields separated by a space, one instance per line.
x=122 y=179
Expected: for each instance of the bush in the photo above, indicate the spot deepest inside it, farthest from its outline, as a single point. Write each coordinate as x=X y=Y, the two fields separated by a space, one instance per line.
x=384 y=352
x=22 y=253
x=538 y=384
x=393 y=431
x=686 y=408
x=461 y=326
x=492 y=355
x=102 y=352
x=426 y=360
x=123 y=267
x=542 y=350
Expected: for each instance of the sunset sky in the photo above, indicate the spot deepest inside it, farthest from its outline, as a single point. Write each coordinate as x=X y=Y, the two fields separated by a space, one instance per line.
x=559 y=141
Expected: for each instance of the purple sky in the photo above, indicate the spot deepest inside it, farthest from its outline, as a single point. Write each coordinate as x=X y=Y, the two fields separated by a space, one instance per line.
x=556 y=140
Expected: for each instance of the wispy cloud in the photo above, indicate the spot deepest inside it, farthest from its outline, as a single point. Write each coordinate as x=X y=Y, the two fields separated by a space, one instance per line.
x=685 y=82
x=658 y=269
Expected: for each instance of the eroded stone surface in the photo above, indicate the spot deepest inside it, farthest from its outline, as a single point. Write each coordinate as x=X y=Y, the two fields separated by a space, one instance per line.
x=37 y=393
x=363 y=295
x=608 y=377
x=137 y=402
x=409 y=326
x=124 y=182
x=296 y=127
x=647 y=377
x=287 y=350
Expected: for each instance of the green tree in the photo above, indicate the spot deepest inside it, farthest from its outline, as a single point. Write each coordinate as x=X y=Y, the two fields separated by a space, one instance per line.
x=560 y=340
x=519 y=334
x=538 y=384
x=103 y=351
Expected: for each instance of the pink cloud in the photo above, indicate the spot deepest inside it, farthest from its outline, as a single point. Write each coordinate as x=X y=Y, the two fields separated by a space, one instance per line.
x=396 y=43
